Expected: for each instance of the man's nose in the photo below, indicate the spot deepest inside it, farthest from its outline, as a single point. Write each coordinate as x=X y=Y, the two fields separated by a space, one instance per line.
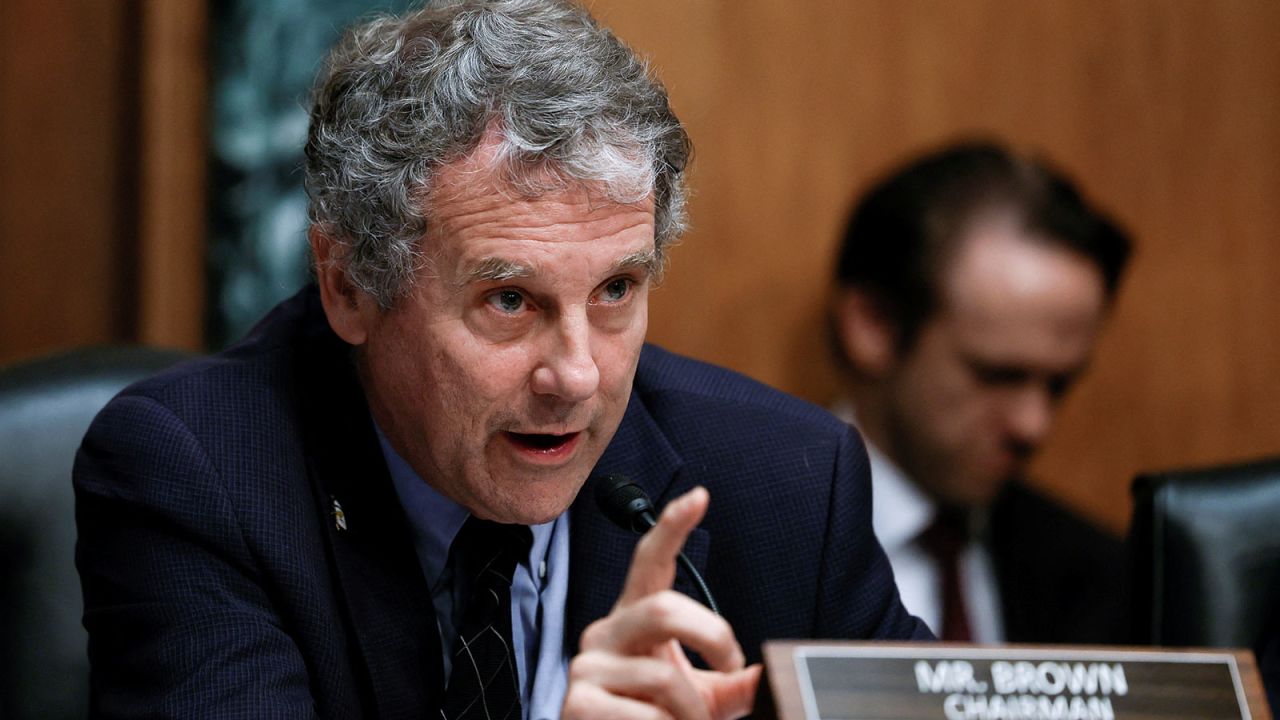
x=568 y=370
x=1031 y=415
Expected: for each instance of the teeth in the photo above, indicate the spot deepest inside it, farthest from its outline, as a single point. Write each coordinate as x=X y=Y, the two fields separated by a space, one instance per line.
x=542 y=440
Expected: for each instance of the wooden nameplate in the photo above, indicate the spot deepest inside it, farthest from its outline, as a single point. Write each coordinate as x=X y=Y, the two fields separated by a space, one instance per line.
x=946 y=681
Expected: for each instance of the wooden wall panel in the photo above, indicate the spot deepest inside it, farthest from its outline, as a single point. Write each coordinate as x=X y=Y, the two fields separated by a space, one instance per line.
x=102 y=222
x=1168 y=113
x=65 y=179
x=173 y=149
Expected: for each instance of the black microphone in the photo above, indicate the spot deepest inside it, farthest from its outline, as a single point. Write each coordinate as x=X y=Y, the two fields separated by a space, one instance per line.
x=627 y=506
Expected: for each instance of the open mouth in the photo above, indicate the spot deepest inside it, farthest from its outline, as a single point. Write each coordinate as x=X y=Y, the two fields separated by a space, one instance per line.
x=542 y=442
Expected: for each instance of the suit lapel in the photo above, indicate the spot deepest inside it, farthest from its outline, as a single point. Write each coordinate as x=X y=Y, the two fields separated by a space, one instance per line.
x=600 y=552
x=389 y=615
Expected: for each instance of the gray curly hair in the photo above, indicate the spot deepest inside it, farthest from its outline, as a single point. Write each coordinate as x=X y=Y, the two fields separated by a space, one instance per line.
x=400 y=97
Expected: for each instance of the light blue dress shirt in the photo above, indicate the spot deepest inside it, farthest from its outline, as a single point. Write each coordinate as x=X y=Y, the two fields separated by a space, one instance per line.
x=539 y=590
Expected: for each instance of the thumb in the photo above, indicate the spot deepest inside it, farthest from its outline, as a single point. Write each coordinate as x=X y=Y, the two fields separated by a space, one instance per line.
x=732 y=695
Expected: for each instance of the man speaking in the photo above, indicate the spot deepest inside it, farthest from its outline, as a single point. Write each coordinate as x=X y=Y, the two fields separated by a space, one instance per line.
x=374 y=505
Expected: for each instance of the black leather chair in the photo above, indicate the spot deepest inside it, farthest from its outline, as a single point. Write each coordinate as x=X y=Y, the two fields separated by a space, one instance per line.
x=1206 y=549
x=45 y=407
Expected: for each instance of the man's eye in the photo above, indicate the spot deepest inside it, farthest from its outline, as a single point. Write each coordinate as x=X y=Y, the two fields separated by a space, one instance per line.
x=1060 y=384
x=507 y=301
x=616 y=290
x=998 y=376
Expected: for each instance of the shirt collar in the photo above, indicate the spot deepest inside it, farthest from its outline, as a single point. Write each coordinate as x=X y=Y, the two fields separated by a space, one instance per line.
x=435 y=519
x=900 y=511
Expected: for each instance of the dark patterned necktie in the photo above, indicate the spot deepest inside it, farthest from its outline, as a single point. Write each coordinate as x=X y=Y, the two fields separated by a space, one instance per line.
x=483 y=682
x=945 y=539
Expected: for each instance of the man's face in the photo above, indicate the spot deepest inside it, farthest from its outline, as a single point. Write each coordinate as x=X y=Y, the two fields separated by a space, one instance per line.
x=503 y=375
x=976 y=394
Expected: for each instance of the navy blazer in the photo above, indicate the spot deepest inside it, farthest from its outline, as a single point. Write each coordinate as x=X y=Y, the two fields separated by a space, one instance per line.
x=219 y=581
x=1061 y=578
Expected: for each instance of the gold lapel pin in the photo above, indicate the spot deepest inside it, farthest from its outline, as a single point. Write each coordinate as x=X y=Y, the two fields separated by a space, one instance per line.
x=339 y=517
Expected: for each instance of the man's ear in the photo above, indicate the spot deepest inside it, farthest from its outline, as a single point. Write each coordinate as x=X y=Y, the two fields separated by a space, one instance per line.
x=867 y=334
x=349 y=309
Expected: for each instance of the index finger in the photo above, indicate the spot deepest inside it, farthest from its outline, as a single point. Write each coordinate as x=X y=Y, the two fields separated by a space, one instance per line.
x=653 y=566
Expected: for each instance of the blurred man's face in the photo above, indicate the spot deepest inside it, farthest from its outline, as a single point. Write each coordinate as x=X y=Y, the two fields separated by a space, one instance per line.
x=976 y=394
x=502 y=377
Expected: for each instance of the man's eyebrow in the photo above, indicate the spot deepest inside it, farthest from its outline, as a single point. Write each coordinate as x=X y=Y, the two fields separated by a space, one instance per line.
x=646 y=260
x=492 y=269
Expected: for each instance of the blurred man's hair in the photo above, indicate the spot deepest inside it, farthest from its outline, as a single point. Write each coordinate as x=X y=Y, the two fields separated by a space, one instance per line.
x=905 y=230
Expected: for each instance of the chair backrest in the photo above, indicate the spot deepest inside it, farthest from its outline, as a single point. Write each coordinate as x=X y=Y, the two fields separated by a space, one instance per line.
x=1206 y=547
x=45 y=407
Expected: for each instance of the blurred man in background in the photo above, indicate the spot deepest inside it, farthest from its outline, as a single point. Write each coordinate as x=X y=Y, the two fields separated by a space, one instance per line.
x=971 y=288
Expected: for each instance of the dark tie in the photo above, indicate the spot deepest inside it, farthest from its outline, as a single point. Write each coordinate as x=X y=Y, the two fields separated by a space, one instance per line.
x=945 y=539
x=483 y=682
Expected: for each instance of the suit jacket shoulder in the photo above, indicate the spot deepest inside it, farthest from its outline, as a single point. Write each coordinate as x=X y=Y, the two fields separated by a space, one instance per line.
x=202 y=548
x=1062 y=579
